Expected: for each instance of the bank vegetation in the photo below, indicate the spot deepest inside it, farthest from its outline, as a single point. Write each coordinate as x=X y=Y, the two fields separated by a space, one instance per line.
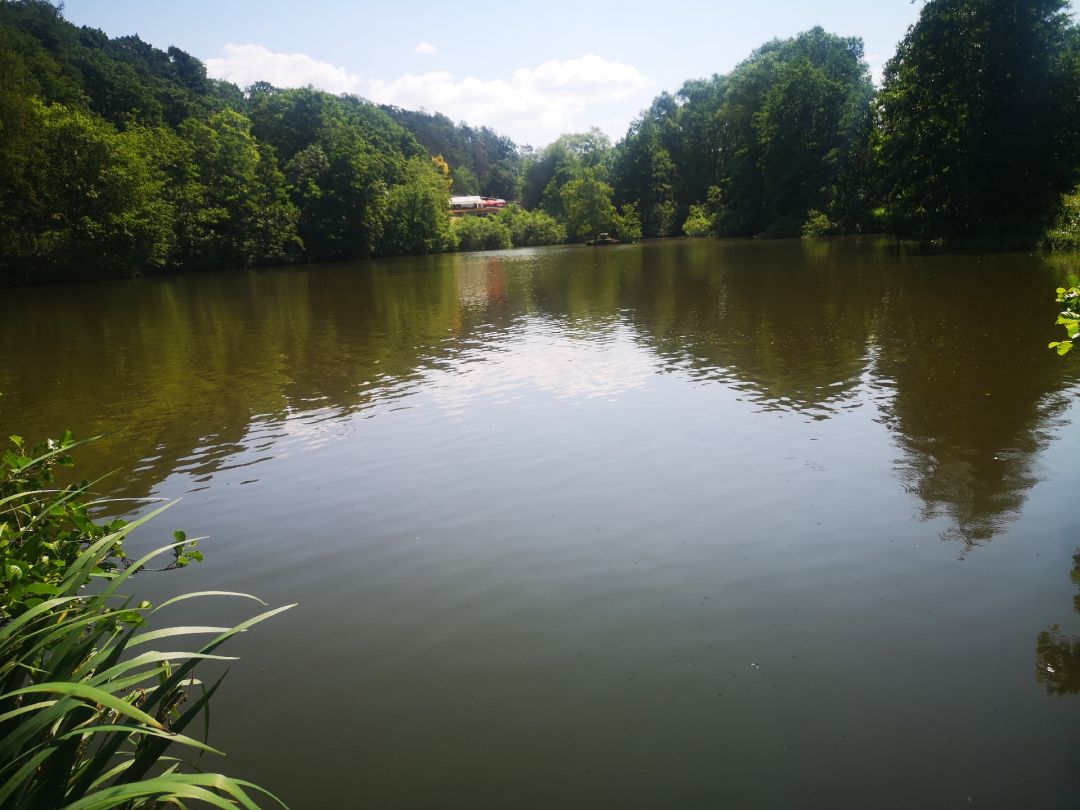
x=120 y=159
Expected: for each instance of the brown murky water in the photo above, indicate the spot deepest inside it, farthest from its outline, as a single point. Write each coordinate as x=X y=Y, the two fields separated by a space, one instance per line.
x=682 y=524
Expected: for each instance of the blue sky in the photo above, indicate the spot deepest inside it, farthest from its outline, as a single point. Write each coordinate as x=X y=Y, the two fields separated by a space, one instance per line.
x=529 y=70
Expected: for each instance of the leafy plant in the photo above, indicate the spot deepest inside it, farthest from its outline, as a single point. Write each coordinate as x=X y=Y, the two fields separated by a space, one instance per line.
x=43 y=529
x=1064 y=233
x=90 y=706
x=1069 y=317
x=818 y=224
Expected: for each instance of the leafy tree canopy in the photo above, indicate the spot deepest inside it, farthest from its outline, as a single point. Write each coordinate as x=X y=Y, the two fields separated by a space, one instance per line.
x=977 y=119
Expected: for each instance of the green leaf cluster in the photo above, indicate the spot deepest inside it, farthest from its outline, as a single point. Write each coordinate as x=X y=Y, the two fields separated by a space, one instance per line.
x=1069 y=317
x=818 y=224
x=698 y=222
x=1064 y=232
x=44 y=527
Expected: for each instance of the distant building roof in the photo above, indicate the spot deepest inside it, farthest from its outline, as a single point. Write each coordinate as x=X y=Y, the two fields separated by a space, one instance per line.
x=466 y=200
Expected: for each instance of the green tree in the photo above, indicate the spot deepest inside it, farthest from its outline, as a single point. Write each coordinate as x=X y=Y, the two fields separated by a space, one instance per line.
x=799 y=130
x=340 y=156
x=20 y=155
x=483 y=161
x=795 y=107
x=644 y=170
x=701 y=148
x=565 y=158
x=627 y=223
x=417 y=212
x=193 y=220
x=36 y=44
x=341 y=197
x=98 y=207
x=585 y=202
x=977 y=120
x=115 y=90
x=777 y=137
x=249 y=217
x=465 y=182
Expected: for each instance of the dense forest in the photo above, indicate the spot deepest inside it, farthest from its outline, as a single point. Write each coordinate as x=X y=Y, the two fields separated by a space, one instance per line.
x=117 y=158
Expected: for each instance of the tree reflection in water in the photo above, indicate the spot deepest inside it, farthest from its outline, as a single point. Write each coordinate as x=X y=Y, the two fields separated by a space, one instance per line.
x=1057 y=654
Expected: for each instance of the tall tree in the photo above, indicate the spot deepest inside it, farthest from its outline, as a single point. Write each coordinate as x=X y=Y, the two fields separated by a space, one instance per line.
x=978 y=119
x=644 y=171
x=552 y=167
x=417 y=215
x=250 y=217
x=754 y=151
x=586 y=203
x=98 y=208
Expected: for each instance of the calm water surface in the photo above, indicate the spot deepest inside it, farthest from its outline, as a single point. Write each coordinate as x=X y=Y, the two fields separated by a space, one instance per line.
x=683 y=524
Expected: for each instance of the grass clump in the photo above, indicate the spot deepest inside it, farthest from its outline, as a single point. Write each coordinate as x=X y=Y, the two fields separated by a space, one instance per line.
x=95 y=700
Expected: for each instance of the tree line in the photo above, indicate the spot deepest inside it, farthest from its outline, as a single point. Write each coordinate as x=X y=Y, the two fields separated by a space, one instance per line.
x=972 y=138
x=117 y=158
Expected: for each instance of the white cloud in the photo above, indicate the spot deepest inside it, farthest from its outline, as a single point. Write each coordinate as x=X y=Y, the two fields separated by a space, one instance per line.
x=246 y=64
x=531 y=105
x=426 y=47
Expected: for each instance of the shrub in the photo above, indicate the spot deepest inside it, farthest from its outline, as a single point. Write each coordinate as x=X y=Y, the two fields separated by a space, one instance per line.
x=698 y=223
x=818 y=224
x=481 y=233
x=531 y=228
x=1064 y=234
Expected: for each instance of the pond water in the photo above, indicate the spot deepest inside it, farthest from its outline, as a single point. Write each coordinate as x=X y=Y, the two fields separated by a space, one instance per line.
x=682 y=524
